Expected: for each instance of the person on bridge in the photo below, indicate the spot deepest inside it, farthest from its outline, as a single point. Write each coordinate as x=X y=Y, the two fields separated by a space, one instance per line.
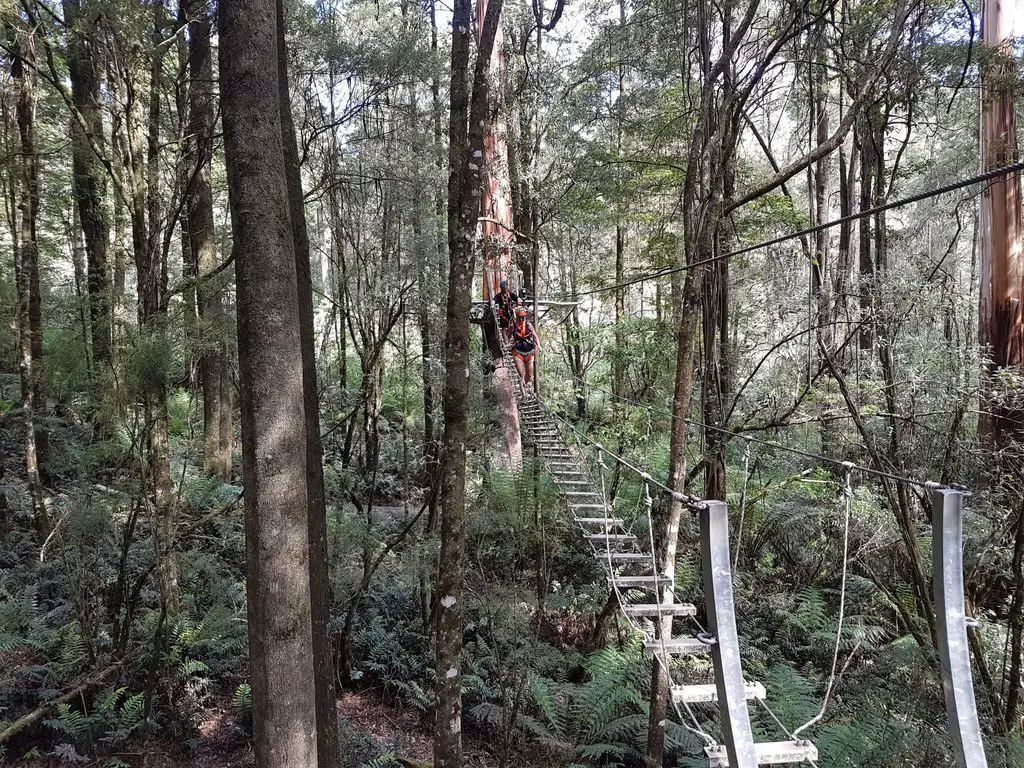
x=524 y=347
x=504 y=308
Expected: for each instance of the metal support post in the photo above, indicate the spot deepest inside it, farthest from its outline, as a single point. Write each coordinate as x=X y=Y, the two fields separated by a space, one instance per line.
x=951 y=624
x=725 y=651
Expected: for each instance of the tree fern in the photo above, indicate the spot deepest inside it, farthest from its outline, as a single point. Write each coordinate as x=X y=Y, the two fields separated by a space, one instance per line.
x=68 y=720
x=543 y=699
x=810 y=614
x=792 y=697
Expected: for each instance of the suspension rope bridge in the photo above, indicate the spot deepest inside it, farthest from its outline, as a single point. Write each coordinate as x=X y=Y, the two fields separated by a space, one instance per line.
x=646 y=597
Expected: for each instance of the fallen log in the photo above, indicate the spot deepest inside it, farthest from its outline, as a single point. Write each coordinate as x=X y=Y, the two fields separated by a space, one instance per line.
x=37 y=714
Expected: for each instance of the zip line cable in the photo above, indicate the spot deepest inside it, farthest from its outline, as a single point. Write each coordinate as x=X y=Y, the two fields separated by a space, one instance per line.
x=806 y=454
x=981 y=177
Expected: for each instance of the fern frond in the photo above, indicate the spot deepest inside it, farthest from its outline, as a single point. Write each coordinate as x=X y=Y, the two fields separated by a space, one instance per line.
x=544 y=699
x=602 y=751
x=488 y=714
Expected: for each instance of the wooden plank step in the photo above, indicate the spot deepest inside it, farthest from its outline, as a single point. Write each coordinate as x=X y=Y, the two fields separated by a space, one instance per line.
x=581 y=493
x=574 y=505
x=708 y=694
x=768 y=753
x=656 y=609
x=677 y=646
x=600 y=521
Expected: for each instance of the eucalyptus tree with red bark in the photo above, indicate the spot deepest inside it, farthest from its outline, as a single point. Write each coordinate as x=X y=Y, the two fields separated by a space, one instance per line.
x=1000 y=311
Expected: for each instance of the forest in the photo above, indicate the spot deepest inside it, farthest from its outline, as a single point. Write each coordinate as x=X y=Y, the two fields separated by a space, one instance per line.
x=390 y=383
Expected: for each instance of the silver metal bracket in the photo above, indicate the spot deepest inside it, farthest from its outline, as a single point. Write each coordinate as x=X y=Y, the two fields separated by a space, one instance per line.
x=951 y=626
x=725 y=654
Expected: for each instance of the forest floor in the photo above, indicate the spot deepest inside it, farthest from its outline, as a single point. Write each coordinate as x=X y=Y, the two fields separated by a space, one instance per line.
x=218 y=744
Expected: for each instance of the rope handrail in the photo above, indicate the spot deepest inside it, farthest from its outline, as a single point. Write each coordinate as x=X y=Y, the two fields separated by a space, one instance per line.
x=693 y=502
x=840 y=463
x=662 y=615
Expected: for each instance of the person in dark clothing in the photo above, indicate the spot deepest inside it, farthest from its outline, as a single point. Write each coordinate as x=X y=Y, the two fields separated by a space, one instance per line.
x=504 y=308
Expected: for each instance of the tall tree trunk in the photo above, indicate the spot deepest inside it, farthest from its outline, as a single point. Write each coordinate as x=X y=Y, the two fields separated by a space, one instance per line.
x=497 y=228
x=619 y=359
x=271 y=370
x=866 y=263
x=202 y=239
x=842 y=277
x=466 y=139
x=1000 y=314
x=30 y=324
x=1000 y=311
x=819 y=116
x=89 y=180
x=320 y=596
x=143 y=156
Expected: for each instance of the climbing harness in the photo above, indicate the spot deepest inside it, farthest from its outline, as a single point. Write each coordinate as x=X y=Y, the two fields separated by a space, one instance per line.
x=522 y=340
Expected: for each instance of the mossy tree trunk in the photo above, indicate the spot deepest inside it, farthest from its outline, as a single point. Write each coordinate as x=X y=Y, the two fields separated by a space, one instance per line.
x=89 y=177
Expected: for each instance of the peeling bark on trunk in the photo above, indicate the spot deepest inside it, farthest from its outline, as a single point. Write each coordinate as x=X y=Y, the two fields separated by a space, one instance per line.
x=1000 y=311
x=497 y=229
